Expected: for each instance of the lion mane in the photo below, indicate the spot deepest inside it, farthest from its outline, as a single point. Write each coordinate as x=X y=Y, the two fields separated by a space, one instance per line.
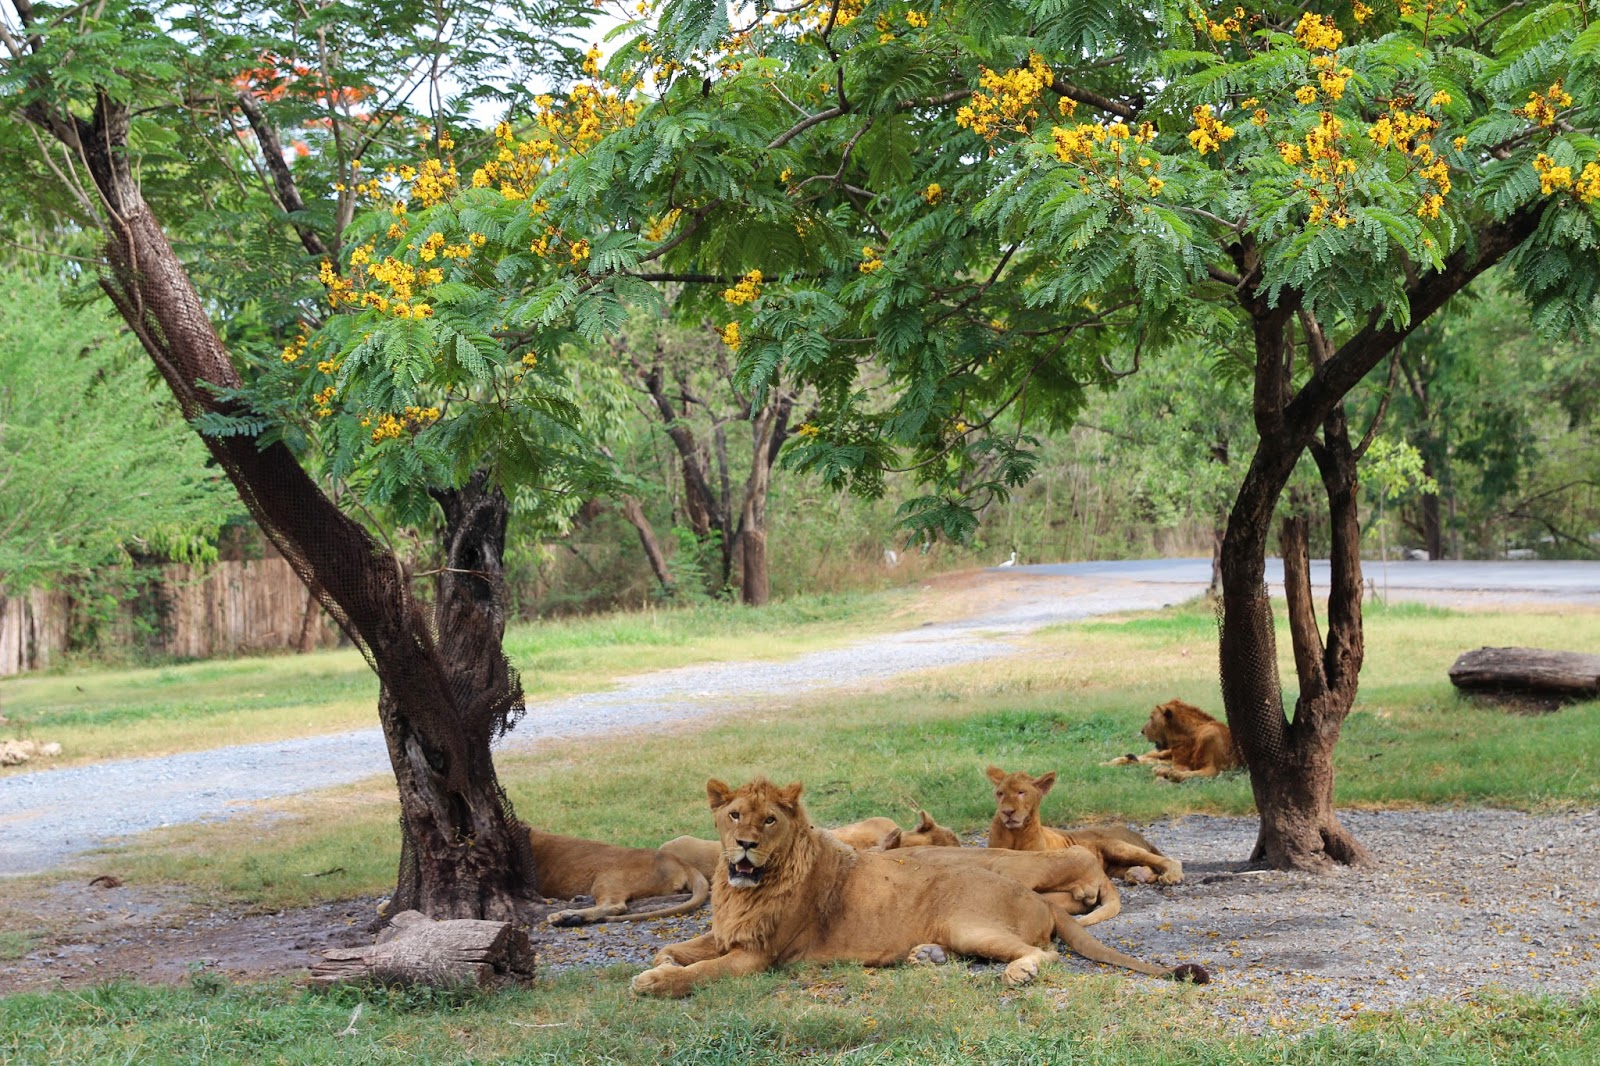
x=789 y=892
x=1188 y=743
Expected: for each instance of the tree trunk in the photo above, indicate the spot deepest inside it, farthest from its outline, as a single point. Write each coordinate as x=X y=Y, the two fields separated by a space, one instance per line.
x=756 y=586
x=444 y=693
x=633 y=511
x=1290 y=763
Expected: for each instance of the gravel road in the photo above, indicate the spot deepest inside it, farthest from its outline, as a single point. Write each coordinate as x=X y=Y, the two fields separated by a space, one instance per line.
x=52 y=816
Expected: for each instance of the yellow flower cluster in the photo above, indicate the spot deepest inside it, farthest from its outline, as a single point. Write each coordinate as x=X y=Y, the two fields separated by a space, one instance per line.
x=932 y=194
x=658 y=228
x=1361 y=11
x=730 y=335
x=1333 y=81
x=1406 y=131
x=435 y=181
x=870 y=260
x=389 y=426
x=1220 y=31
x=1306 y=94
x=748 y=289
x=579 y=252
x=1209 y=131
x=1551 y=177
x=1076 y=145
x=807 y=429
x=1541 y=108
x=1005 y=101
x=323 y=398
x=916 y=20
x=1318 y=32
x=1326 y=168
x=1437 y=172
x=294 y=350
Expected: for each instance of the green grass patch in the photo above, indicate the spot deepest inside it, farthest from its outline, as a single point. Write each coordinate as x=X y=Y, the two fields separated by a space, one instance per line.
x=807 y=1014
x=1075 y=701
x=118 y=713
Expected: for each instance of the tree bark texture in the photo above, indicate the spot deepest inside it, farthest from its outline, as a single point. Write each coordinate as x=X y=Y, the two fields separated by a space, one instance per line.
x=415 y=950
x=445 y=693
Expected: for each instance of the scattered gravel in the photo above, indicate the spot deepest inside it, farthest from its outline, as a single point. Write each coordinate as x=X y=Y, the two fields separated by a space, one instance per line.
x=1459 y=901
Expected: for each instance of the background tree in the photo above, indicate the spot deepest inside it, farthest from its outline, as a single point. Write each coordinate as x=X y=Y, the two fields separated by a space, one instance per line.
x=94 y=465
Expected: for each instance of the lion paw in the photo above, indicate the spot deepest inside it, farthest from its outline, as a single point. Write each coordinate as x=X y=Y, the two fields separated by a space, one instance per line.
x=566 y=918
x=1121 y=760
x=1021 y=971
x=1139 y=875
x=928 y=955
x=1172 y=875
x=659 y=981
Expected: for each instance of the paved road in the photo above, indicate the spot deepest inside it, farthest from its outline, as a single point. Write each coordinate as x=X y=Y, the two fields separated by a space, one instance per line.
x=48 y=817
x=1566 y=580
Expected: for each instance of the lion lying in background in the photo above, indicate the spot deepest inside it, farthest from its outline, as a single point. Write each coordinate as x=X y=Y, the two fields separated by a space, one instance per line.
x=613 y=875
x=1016 y=825
x=706 y=855
x=789 y=892
x=871 y=833
x=1189 y=743
x=1071 y=878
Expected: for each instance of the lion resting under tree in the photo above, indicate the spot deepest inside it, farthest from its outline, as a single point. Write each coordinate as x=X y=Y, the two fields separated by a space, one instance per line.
x=1189 y=743
x=789 y=892
x=613 y=875
x=1016 y=825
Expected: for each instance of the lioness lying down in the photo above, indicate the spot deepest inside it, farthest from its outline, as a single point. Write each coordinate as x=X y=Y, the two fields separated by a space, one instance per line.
x=1016 y=825
x=1071 y=878
x=613 y=875
x=870 y=833
x=1188 y=743
x=789 y=892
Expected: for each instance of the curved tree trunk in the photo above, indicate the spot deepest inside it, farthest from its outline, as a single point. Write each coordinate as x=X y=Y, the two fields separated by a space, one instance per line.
x=445 y=693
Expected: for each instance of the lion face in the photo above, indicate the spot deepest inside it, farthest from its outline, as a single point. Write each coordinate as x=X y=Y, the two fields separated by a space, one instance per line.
x=756 y=823
x=1017 y=796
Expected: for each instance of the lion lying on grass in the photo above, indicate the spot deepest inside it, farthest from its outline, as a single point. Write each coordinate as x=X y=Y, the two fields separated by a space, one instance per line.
x=613 y=875
x=790 y=892
x=1016 y=825
x=706 y=855
x=1189 y=743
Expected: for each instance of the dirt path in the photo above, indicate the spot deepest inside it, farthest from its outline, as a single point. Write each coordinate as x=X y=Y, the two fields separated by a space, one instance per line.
x=52 y=817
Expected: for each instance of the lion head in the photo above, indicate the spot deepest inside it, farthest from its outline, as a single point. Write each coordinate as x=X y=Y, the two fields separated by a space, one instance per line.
x=1017 y=796
x=758 y=825
x=931 y=834
x=1171 y=720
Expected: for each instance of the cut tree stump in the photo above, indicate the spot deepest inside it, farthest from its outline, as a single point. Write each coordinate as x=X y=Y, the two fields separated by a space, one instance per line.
x=416 y=950
x=1552 y=675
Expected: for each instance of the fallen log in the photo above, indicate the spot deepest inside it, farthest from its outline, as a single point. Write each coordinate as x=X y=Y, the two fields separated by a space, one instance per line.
x=1559 y=675
x=416 y=950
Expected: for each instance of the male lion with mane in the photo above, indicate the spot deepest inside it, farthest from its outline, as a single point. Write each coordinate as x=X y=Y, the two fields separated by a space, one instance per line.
x=1189 y=743
x=790 y=892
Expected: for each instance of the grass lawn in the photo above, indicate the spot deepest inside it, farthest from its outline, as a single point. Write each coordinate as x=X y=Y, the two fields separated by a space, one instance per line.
x=118 y=713
x=1075 y=700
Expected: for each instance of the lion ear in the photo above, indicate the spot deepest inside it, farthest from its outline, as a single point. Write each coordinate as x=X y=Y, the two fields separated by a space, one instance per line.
x=789 y=795
x=718 y=793
x=1045 y=782
x=925 y=822
x=996 y=774
x=1166 y=712
x=889 y=841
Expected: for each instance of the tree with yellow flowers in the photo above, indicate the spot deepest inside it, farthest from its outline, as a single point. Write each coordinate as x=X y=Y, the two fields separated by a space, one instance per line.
x=964 y=215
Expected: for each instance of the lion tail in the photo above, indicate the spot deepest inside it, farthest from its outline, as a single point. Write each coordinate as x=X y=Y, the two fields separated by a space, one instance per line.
x=699 y=892
x=1079 y=939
